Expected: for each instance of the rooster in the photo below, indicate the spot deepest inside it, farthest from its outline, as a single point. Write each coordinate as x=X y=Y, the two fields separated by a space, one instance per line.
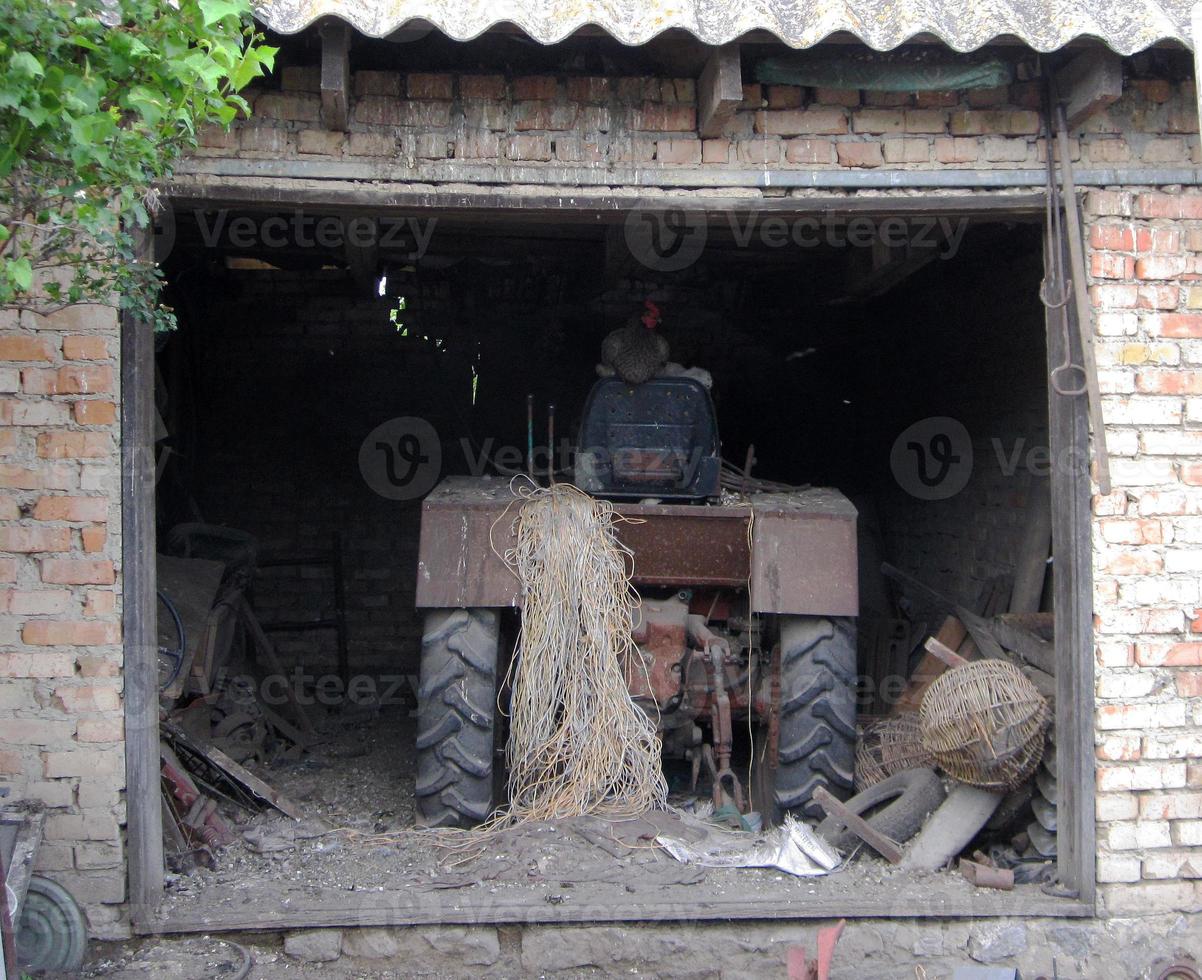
x=636 y=352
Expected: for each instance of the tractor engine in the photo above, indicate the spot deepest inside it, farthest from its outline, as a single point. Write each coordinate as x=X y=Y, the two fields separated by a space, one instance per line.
x=696 y=679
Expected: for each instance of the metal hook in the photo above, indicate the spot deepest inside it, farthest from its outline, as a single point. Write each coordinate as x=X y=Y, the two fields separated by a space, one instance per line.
x=1045 y=290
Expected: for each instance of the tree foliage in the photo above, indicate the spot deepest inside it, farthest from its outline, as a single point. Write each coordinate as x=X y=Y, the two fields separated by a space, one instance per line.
x=98 y=101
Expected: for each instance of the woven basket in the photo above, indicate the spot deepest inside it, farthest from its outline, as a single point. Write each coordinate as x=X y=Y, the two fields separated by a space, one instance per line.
x=984 y=724
x=888 y=746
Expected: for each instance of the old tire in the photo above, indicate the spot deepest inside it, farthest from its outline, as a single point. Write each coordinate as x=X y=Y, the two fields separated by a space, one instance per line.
x=906 y=799
x=51 y=934
x=455 y=716
x=817 y=741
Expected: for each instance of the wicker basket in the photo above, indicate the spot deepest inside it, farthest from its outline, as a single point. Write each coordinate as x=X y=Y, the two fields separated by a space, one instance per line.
x=984 y=724
x=888 y=746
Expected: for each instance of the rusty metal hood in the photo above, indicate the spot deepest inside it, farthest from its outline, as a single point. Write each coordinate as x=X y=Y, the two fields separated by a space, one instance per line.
x=1126 y=26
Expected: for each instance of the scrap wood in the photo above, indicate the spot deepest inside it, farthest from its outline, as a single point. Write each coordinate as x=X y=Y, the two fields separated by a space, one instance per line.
x=828 y=937
x=977 y=626
x=885 y=846
x=1022 y=640
x=953 y=635
x=242 y=777
x=945 y=653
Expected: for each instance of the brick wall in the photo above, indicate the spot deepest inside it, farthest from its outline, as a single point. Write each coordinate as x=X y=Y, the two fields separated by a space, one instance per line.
x=421 y=121
x=1145 y=260
x=61 y=728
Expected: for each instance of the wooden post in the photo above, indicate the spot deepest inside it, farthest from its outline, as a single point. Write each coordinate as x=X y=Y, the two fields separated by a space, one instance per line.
x=335 y=74
x=1089 y=83
x=719 y=90
x=139 y=617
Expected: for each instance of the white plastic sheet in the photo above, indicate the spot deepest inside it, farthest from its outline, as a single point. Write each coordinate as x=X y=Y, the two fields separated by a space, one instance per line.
x=792 y=847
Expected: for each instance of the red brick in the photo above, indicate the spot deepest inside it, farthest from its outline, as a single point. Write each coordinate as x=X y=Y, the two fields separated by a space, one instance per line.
x=98 y=665
x=1153 y=89
x=760 y=151
x=1111 y=265
x=784 y=97
x=74 y=445
x=859 y=154
x=529 y=147
x=62 y=633
x=589 y=89
x=71 y=509
x=1160 y=240
x=952 y=149
x=21 y=347
x=490 y=87
x=544 y=115
x=683 y=152
x=425 y=85
x=936 y=100
x=925 y=121
x=987 y=98
x=92 y=379
x=1189 y=683
x=665 y=118
x=94 y=412
x=535 y=87
x=1158 y=297
x=93 y=538
x=11 y=763
x=387 y=83
x=1128 y=563
x=753 y=96
x=1191 y=473
x=10 y=510
x=35 y=539
x=1112 y=238
x=82 y=347
x=878 y=121
x=837 y=96
x=36 y=478
x=888 y=100
x=1160 y=267
x=100 y=730
x=809 y=151
x=78 y=571
x=8 y=442
x=1167 y=382
x=715 y=151
x=1157 y=205
x=8 y=569
x=100 y=603
x=815 y=121
x=970 y=122
x=82 y=698
x=1180 y=325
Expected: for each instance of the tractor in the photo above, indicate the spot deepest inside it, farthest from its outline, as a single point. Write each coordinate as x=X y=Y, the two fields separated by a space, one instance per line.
x=746 y=618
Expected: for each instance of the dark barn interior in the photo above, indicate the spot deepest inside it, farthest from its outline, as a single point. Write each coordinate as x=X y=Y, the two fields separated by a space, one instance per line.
x=291 y=356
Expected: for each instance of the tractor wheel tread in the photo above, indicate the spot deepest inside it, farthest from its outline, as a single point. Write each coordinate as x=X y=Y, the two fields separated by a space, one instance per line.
x=456 y=717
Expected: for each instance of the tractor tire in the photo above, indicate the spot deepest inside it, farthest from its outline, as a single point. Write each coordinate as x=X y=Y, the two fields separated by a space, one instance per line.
x=51 y=934
x=456 y=708
x=817 y=741
x=897 y=807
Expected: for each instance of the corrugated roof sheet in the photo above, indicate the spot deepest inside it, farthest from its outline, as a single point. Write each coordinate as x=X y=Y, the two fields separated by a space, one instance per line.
x=964 y=25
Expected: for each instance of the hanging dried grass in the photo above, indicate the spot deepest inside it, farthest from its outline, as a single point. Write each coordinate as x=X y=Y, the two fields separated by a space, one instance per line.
x=889 y=746
x=578 y=743
x=984 y=723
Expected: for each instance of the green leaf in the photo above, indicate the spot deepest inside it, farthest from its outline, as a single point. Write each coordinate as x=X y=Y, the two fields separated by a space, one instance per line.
x=23 y=64
x=20 y=273
x=217 y=10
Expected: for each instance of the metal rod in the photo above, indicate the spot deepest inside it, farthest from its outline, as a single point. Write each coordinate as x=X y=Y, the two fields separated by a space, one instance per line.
x=530 y=436
x=1076 y=250
x=551 y=444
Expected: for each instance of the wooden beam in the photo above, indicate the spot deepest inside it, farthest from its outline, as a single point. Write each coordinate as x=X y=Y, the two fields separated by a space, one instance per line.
x=1072 y=582
x=719 y=90
x=139 y=617
x=335 y=74
x=886 y=847
x=1089 y=83
x=1031 y=565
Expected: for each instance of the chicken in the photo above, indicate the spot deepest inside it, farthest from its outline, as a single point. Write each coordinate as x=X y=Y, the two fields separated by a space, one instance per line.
x=636 y=352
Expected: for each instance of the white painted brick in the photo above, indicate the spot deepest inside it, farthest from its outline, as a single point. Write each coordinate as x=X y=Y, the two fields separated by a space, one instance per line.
x=1116 y=806
x=1177 y=442
x=1138 y=834
x=1187 y=833
x=1181 y=560
x=1141 y=472
x=1173 y=746
x=1173 y=864
x=1141 y=410
x=1115 y=717
x=1118 y=867
x=1134 y=684
x=1146 y=592
x=10 y=380
x=1116 y=324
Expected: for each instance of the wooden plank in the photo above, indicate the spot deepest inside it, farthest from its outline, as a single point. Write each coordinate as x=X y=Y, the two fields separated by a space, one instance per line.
x=335 y=74
x=1031 y=565
x=330 y=908
x=239 y=774
x=1030 y=647
x=1089 y=83
x=945 y=654
x=719 y=90
x=1068 y=432
x=977 y=625
x=264 y=646
x=139 y=618
x=886 y=847
x=953 y=635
